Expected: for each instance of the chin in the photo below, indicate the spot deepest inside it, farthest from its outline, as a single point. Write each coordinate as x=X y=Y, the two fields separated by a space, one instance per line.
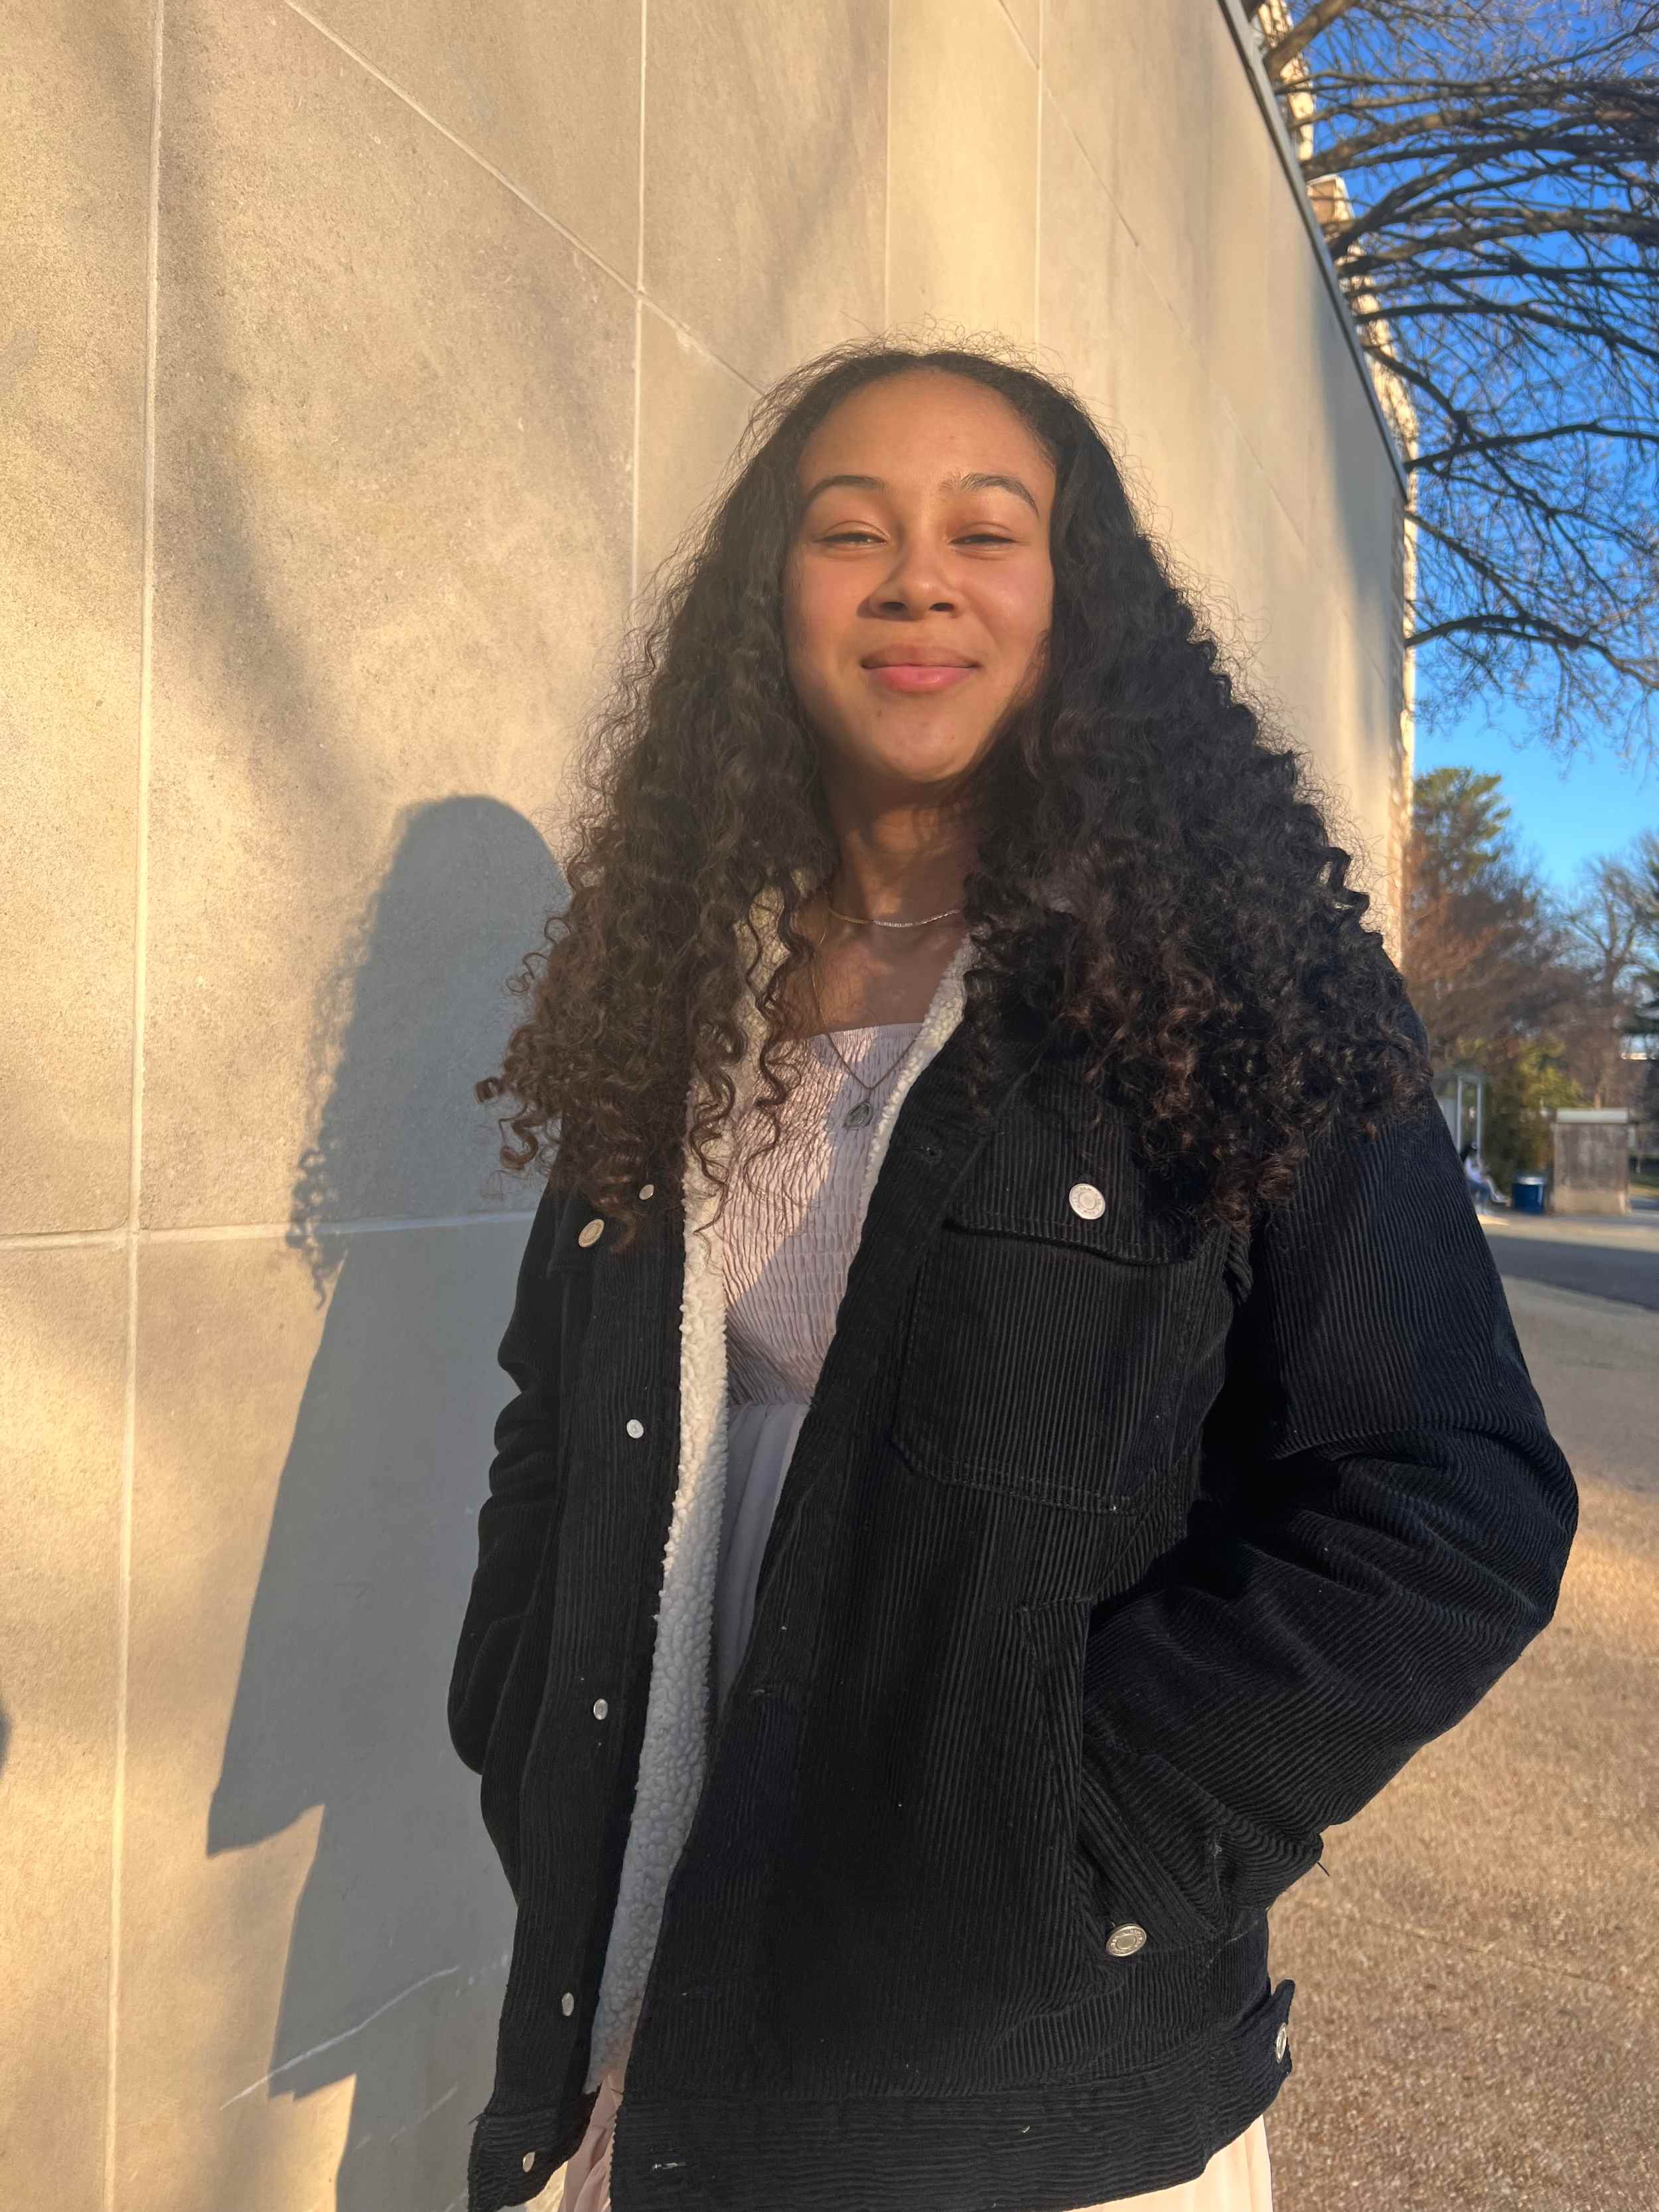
x=933 y=755
x=921 y=775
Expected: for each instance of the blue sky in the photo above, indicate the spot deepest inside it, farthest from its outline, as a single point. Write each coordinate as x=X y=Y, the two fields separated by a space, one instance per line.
x=1560 y=814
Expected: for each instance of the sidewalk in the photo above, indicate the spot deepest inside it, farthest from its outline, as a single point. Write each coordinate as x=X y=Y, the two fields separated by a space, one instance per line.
x=1640 y=1224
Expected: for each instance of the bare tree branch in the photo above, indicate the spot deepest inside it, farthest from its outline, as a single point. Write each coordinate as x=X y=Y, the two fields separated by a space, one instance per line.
x=1487 y=176
x=1285 y=50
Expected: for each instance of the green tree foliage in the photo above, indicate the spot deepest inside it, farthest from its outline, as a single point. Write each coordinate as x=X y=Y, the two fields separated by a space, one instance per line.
x=1527 y=1084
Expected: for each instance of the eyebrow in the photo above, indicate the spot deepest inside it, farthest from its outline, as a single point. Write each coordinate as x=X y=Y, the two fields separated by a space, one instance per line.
x=969 y=480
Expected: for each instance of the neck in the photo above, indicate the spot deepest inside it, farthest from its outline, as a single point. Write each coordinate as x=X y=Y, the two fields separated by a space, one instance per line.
x=924 y=934
x=898 y=917
x=873 y=887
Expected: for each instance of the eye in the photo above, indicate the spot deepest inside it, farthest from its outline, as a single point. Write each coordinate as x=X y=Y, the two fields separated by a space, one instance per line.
x=870 y=538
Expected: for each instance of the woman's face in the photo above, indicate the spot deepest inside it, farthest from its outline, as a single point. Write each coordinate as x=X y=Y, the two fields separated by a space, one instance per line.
x=905 y=550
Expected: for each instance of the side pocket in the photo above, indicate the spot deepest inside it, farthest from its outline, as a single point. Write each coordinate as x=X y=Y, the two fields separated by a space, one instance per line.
x=474 y=1716
x=1119 y=1878
x=502 y=1768
x=1115 y=1830
x=1049 y=1634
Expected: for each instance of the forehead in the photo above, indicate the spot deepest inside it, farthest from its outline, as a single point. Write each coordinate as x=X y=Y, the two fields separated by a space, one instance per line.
x=925 y=432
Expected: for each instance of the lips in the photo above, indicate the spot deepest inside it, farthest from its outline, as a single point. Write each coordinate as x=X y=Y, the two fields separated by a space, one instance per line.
x=919 y=675
x=916 y=667
x=915 y=656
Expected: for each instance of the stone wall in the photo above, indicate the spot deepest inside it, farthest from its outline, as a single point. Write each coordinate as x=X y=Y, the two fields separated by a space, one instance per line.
x=360 y=360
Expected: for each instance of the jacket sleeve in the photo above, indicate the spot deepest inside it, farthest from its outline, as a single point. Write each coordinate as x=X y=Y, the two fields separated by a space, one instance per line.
x=1389 y=1532
x=522 y=1480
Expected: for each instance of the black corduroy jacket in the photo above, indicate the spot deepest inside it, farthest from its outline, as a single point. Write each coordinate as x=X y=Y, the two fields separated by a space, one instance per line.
x=1115 y=1560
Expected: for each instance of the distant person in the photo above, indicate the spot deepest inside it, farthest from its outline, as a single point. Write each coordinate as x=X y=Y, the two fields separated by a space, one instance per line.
x=1479 y=1184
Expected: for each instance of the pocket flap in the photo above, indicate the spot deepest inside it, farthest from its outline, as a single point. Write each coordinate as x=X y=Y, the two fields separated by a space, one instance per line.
x=1050 y=1175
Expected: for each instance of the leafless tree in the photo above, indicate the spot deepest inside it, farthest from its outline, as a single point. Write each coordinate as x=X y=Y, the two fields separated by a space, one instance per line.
x=1644 y=1024
x=1606 y=924
x=1485 y=175
x=1496 y=962
x=1488 y=963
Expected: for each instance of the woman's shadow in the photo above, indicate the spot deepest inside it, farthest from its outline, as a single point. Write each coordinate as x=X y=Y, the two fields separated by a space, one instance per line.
x=394 y=1969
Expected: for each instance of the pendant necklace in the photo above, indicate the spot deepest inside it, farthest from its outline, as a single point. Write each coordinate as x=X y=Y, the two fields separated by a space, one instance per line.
x=857 y=1115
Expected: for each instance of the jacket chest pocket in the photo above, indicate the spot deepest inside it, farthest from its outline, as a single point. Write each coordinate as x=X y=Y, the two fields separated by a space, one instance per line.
x=1048 y=1334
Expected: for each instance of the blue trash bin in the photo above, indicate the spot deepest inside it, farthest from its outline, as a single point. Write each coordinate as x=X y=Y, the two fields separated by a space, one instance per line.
x=1526 y=1194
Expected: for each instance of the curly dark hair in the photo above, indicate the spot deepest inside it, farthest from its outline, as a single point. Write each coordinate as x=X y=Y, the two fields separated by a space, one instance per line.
x=1154 y=878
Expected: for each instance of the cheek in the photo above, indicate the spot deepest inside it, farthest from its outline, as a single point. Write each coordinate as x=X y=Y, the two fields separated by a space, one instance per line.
x=811 y=668
x=818 y=616
x=803 y=624
x=1026 y=609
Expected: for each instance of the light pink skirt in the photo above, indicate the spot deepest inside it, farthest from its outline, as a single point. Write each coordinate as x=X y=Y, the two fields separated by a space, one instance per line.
x=1237 y=2180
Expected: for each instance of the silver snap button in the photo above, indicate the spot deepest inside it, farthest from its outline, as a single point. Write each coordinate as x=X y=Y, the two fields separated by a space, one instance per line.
x=528 y=2161
x=647 y=1189
x=1086 y=1200
x=636 y=1428
x=567 y=2004
x=1282 y=2038
x=1123 y=1942
x=595 y=1228
x=601 y=1709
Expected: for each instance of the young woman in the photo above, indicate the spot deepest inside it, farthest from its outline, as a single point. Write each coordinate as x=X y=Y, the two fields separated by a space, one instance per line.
x=1017 y=1427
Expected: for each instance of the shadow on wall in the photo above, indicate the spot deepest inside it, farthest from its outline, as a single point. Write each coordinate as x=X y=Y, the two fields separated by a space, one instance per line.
x=390 y=1978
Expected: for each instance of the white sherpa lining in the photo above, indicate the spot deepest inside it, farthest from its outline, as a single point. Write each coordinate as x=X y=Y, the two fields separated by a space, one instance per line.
x=674 y=1749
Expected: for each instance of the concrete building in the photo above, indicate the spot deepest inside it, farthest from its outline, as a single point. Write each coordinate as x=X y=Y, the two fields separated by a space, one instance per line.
x=1590 y=1169
x=359 y=361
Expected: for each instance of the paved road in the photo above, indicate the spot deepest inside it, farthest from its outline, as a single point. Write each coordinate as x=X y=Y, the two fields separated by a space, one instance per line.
x=1476 y=2021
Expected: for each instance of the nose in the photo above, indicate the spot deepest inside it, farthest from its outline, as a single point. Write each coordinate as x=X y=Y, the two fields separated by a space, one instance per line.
x=916 y=583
